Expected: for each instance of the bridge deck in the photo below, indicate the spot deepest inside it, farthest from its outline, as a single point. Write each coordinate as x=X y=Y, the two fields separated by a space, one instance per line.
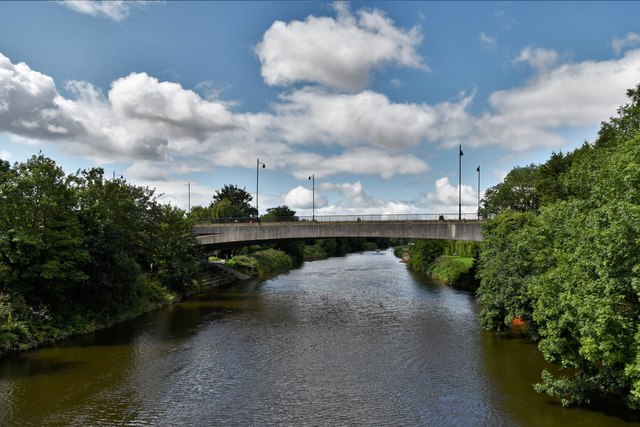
x=246 y=233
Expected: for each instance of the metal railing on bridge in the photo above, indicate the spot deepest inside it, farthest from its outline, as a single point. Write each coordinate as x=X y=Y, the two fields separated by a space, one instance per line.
x=344 y=218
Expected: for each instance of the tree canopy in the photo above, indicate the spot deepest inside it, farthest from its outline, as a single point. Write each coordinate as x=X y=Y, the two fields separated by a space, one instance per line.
x=80 y=245
x=231 y=201
x=571 y=265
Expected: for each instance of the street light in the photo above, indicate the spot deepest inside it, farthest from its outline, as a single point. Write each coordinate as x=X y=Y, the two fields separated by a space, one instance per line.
x=189 y=197
x=258 y=163
x=460 y=184
x=313 y=197
x=478 y=170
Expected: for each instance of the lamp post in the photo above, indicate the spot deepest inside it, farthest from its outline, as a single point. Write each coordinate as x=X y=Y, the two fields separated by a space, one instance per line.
x=478 y=170
x=258 y=163
x=188 y=197
x=460 y=184
x=313 y=197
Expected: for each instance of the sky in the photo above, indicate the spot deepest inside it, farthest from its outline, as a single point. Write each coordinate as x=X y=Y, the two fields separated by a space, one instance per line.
x=372 y=99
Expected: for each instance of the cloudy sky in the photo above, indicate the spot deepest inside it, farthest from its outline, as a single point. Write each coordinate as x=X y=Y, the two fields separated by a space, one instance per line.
x=372 y=98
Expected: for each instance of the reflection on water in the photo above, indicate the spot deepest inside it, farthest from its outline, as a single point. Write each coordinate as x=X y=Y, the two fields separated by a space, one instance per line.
x=357 y=340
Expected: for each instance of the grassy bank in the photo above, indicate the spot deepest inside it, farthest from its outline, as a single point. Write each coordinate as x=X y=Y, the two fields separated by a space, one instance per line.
x=456 y=271
x=261 y=263
x=427 y=257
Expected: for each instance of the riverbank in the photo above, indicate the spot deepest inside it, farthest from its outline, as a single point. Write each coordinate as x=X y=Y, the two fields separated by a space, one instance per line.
x=455 y=271
x=452 y=270
x=23 y=328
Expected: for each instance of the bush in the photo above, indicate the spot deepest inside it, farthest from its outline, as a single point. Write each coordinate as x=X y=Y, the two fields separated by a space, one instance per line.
x=447 y=269
x=244 y=264
x=314 y=252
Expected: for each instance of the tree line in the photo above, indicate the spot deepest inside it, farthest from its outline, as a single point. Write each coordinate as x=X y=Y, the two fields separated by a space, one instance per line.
x=562 y=252
x=78 y=251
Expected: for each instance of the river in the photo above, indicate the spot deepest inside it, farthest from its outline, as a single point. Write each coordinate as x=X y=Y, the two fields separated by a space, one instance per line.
x=356 y=340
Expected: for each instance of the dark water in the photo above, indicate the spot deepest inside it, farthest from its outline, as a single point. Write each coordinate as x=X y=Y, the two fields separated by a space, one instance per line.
x=356 y=340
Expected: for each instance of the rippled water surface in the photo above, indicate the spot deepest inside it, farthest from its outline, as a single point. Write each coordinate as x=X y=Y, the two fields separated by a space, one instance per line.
x=356 y=340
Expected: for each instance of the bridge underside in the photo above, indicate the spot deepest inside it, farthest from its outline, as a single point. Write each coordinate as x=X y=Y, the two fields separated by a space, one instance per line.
x=225 y=235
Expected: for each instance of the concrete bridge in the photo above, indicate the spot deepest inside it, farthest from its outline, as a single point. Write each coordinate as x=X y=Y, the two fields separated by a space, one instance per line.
x=395 y=226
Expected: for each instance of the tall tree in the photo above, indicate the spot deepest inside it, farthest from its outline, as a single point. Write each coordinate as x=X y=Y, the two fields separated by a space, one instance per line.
x=239 y=198
x=279 y=213
x=42 y=245
x=176 y=257
x=516 y=193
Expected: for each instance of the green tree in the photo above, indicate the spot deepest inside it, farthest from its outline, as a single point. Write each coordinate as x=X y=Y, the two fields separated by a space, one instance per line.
x=517 y=193
x=238 y=197
x=200 y=213
x=226 y=209
x=625 y=125
x=122 y=223
x=573 y=269
x=423 y=253
x=505 y=266
x=177 y=256
x=279 y=213
x=42 y=245
x=586 y=302
x=549 y=180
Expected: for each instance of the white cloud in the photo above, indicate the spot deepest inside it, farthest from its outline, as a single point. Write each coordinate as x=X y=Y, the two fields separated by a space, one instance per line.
x=353 y=192
x=446 y=195
x=355 y=201
x=178 y=113
x=180 y=193
x=538 y=58
x=365 y=161
x=630 y=40
x=302 y=198
x=163 y=124
x=488 y=41
x=5 y=155
x=368 y=118
x=337 y=52
x=571 y=94
x=145 y=170
x=532 y=116
x=28 y=102
x=116 y=10
x=140 y=118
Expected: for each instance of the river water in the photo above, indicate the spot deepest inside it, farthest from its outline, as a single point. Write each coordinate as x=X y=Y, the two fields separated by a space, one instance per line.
x=356 y=340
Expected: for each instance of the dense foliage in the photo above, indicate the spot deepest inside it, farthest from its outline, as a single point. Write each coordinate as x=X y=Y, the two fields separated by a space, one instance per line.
x=228 y=202
x=446 y=261
x=80 y=250
x=570 y=264
x=279 y=214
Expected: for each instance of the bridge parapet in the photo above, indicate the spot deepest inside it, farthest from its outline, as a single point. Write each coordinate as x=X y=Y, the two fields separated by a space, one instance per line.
x=347 y=218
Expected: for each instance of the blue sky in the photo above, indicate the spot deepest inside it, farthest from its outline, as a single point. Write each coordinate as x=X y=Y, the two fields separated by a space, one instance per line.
x=372 y=98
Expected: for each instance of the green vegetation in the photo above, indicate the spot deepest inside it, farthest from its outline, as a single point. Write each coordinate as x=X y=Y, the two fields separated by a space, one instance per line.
x=279 y=214
x=261 y=263
x=563 y=252
x=78 y=252
x=228 y=202
x=448 y=262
